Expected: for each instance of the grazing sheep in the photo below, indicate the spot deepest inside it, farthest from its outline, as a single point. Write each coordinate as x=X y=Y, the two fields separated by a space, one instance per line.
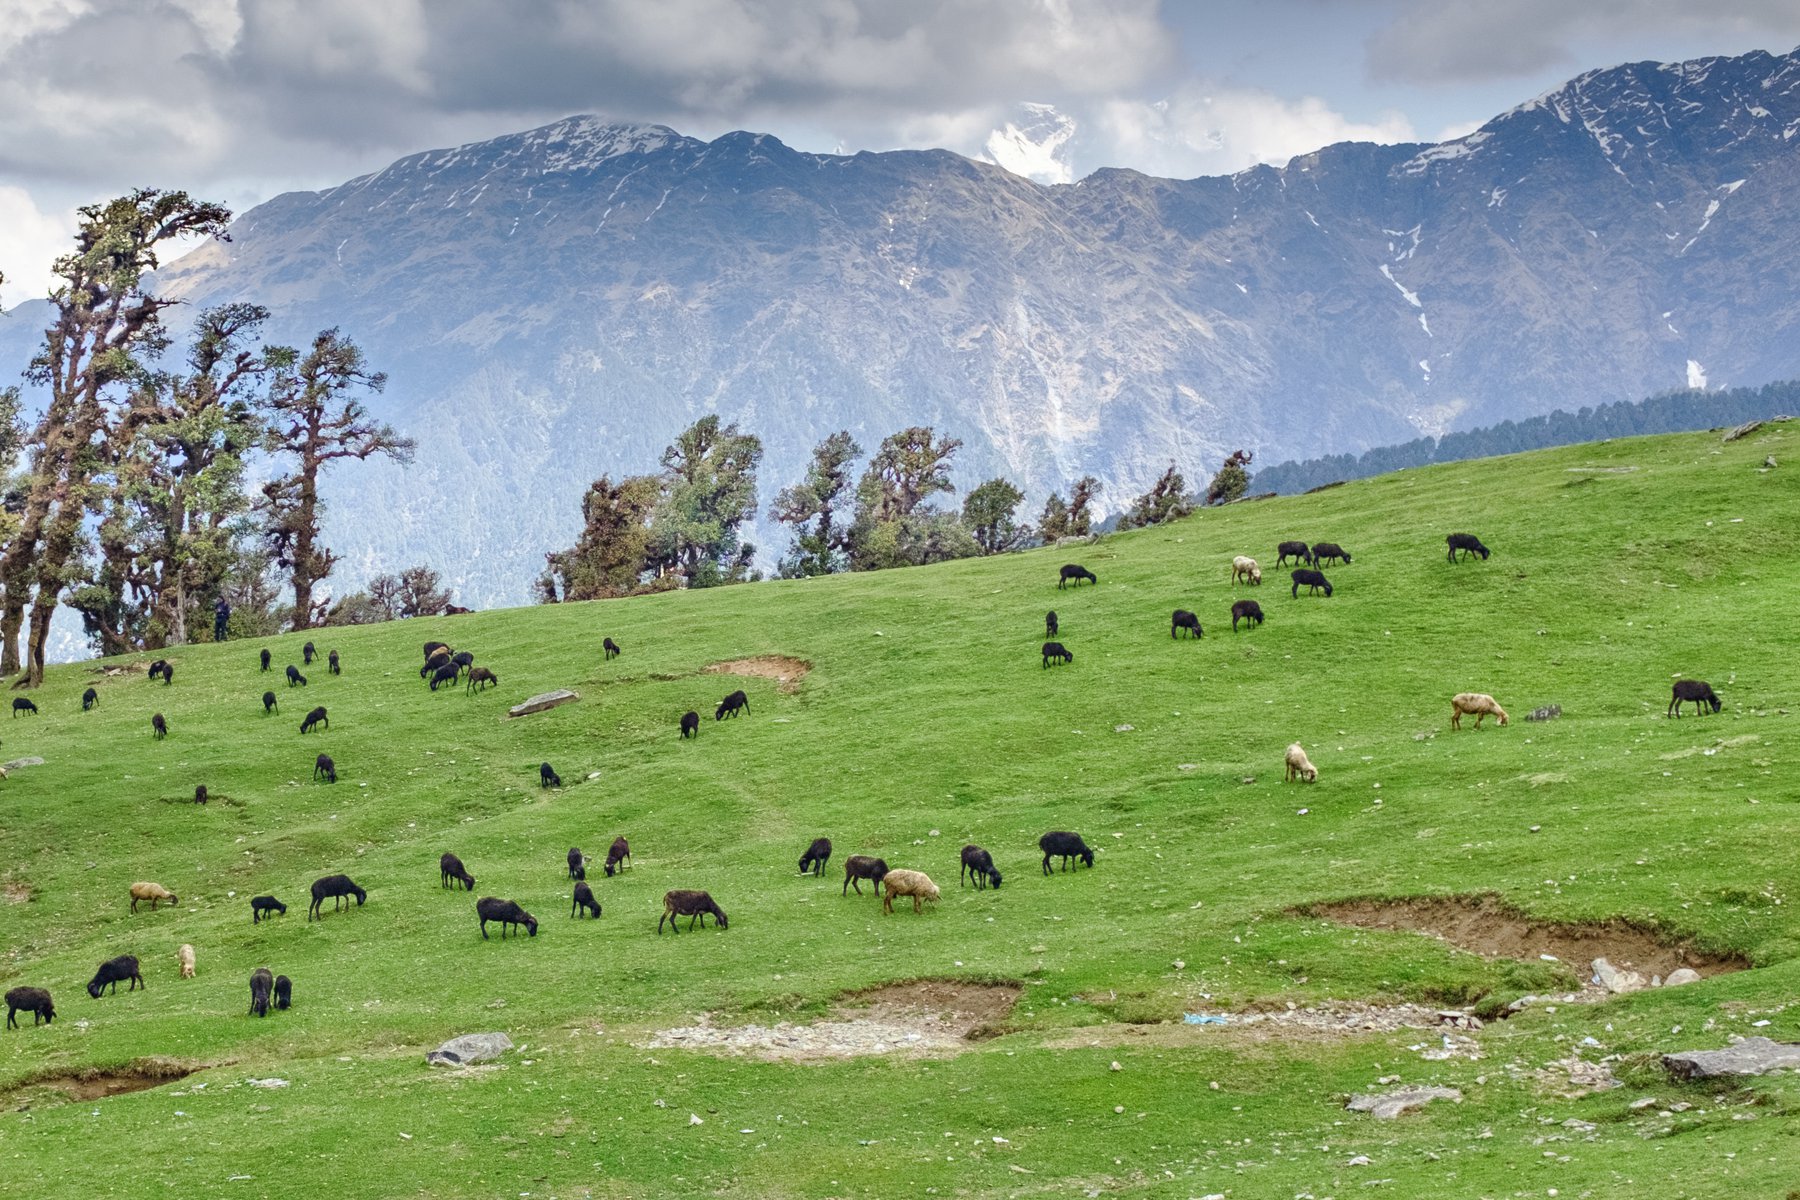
x=1066 y=846
x=1299 y=766
x=22 y=705
x=1299 y=551
x=438 y=658
x=432 y=647
x=1467 y=542
x=112 y=971
x=307 y=653
x=859 y=867
x=294 y=677
x=1699 y=691
x=1058 y=652
x=324 y=768
x=451 y=872
x=89 y=699
x=482 y=676
x=339 y=888
x=618 y=856
x=1183 y=619
x=1245 y=569
x=333 y=664
x=692 y=905
x=1325 y=553
x=456 y=610
x=816 y=856
x=731 y=705
x=265 y=906
x=463 y=660
x=314 y=719
x=201 y=795
x=979 y=864
x=168 y=674
x=1476 y=704
x=184 y=960
x=284 y=992
x=157 y=668
x=1077 y=573
x=1246 y=610
x=690 y=724
x=159 y=726
x=547 y=776
x=611 y=648
x=270 y=704
x=903 y=882
x=265 y=658
x=583 y=904
x=155 y=893
x=35 y=1001
x=1313 y=580
x=577 y=865
x=1050 y=624
x=262 y=983
x=448 y=674
x=508 y=914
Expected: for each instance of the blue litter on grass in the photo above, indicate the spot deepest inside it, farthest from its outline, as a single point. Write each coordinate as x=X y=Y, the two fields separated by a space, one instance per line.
x=1202 y=1019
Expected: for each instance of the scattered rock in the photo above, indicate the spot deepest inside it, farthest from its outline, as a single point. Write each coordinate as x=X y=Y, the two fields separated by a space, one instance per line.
x=1618 y=981
x=469 y=1048
x=1769 y=463
x=267 y=1083
x=1389 y=1105
x=28 y=761
x=1548 y=712
x=1752 y=1056
x=543 y=701
x=1744 y=430
x=1681 y=975
x=1123 y=728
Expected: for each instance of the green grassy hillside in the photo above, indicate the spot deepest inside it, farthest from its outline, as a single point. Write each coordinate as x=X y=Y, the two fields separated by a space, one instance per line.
x=926 y=721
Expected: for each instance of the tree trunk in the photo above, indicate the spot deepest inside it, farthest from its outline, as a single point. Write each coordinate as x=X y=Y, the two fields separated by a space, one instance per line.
x=43 y=607
x=10 y=621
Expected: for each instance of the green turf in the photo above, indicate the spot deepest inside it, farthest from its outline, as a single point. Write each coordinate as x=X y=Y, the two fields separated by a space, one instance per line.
x=927 y=722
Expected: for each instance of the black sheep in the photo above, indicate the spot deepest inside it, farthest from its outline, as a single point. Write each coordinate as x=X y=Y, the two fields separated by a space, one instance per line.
x=583 y=904
x=1050 y=624
x=690 y=724
x=508 y=914
x=1313 y=580
x=265 y=659
x=314 y=719
x=1183 y=619
x=1057 y=651
x=168 y=674
x=463 y=660
x=1698 y=691
x=979 y=864
x=1066 y=846
x=451 y=872
x=859 y=867
x=1077 y=573
x=265 y=906
x=269 y=703
x=89 y=698
x=35 y=1001
x=1325 y=553
x=432 y=647
x=692 y=905
x=294 y=677
x=1246 y=610
x=439 y=658
x=307 y=653
x=200 y=794
x=482 y=676
x=577 y=864
x=446 y=674
x=618 y=856
x=324 y=768
x=157 y=668
x=334 y=665
x=262 y=983
x=338 y=888
x=816 y=856
x=547 y=776
x=22 y=705
x=159 y=726
x=1299 y=551
x=284 y=992
x=611 y=648
x=1465 y=542
x=730 y=705
x=113 y=970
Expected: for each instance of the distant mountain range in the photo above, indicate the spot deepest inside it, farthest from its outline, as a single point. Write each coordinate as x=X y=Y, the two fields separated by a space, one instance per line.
x=556 y=304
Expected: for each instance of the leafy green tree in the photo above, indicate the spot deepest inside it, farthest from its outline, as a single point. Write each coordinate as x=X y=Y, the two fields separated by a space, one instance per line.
x=1053 y=522
x=893 y=528
x=611 y=555
x=821 y=541
x=1069 y=518
x=1232 y=481
x=1165 y=501
x=708 y=492
x=988 y=513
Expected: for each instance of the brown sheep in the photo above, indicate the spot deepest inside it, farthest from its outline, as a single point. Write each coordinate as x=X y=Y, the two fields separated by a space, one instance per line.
x=901 y=882
x=184 y=958
x=1299 y=766
x=155 y=893
x=1475 y=704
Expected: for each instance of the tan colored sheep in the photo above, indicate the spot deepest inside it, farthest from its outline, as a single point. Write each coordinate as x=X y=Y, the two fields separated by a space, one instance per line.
x=1299 y=766
x=916 y=884
x=1243 y=568
x=1476 y=704
x=155 y=893
x=185 y=957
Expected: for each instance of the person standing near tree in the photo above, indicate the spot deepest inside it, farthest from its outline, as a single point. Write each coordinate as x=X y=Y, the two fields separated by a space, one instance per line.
x=221 y=618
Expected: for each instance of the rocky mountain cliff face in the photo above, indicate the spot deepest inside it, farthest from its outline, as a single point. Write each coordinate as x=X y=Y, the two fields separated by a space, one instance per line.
x=558 y=303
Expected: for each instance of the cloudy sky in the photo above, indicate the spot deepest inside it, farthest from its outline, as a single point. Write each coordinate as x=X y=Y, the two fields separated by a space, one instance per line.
x=237 y=100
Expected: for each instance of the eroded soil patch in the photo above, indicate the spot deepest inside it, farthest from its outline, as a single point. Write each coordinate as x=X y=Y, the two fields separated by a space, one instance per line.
x=14 y=892
x=919 y=1018
x=94 y=1084
x=1487 y=926
x=786 y=672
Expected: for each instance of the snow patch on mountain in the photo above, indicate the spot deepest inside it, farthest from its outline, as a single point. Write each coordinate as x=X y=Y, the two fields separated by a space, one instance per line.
x=1036 y=145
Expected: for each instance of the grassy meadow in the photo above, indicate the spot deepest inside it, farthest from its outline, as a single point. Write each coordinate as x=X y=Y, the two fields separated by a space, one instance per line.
x=925 y=722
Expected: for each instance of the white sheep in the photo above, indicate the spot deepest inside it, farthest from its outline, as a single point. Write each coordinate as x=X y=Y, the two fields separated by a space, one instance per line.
x=1245 y=568
x=155 y=893
x=1299 y=766
x=1476 y=704
x=916 y=884
x=185 y=957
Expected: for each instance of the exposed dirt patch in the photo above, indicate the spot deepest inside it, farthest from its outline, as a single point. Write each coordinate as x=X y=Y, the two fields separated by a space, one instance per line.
x=1485 y=925
x=93 y=1084
x=786 y=672
x=919 y=1018
x=1328 y=1020
x=14 y=892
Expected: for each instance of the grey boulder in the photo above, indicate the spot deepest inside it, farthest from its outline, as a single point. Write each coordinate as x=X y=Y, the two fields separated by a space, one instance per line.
x=1389 y=1105
x=1752 y=1056
x=543 y=701
x=469 y=1048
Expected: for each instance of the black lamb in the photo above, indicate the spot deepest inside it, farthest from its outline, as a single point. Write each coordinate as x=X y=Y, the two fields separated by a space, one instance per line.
x=265 y=658
x=731 y=705
x=324 y=768
x=979 y=864
x=816 y=856
x=451 y=872
x=333 y=665
x=1065 y=846
x=89 y=698
x=284 y=992
x=159 y=726
x=583 y=903
x=269 y=703
x=294 y=677
x=265 y=906
x=448 y=674
x=690 y=724
x=618 y=856
x=262 y=983
x=577 y=864
x=1050 y=624
x=1183 y=619
x=610 y=647
x=314 y=719
x=547 y=776
x=308 y=653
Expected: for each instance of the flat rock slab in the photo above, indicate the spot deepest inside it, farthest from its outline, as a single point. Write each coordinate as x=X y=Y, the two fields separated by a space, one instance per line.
x=1389 y=1105
x=15 y=764
x=469 y=1048
x=543 y=701
x=1752 y=1056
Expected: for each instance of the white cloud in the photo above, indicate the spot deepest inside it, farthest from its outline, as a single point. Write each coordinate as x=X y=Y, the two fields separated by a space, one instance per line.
x=1036 y=146
x=30 y=241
